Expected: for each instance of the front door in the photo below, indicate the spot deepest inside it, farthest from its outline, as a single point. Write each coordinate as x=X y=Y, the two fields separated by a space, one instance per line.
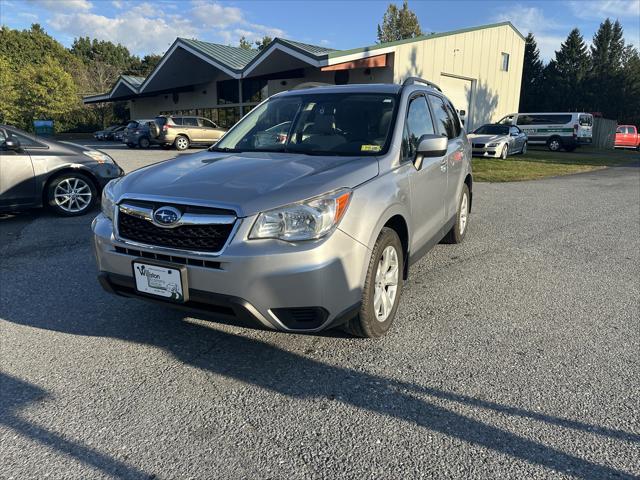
x=17 y=180
x=429 y=183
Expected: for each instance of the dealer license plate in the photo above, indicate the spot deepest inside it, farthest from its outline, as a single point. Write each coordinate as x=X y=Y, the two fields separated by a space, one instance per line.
x=160 y=280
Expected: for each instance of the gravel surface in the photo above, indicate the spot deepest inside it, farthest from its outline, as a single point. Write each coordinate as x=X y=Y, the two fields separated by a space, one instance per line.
x=514 y=355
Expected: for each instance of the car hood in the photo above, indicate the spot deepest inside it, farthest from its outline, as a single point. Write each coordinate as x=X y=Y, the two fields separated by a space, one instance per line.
x=246 y=182
x=487 y=138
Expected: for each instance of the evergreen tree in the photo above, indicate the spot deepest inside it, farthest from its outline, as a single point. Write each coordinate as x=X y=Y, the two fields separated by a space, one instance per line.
x=571 y=68
x=606 y=77
x=398 y=24
x=244 y=43
x=532 y=76
x=263 y=43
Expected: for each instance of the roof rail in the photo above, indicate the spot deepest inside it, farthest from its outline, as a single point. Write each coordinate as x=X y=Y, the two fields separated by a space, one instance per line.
x=304 y=85
x=414 y=80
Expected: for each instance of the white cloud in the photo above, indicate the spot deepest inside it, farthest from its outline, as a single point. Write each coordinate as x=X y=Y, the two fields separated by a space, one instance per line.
x=215 y=15
x=63 y=5
x=117 y=4
x=548 y=32
x=601 y=9
x=139 y=34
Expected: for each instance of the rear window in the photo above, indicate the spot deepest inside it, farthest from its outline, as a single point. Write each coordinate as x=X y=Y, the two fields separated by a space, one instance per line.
x=585 y=120
x=177 y=120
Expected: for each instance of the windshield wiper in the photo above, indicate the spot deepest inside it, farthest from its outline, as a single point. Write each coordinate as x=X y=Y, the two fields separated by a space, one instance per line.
x=224 y=149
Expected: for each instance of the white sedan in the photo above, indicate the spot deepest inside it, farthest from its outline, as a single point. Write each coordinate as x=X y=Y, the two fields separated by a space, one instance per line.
x=498 y=141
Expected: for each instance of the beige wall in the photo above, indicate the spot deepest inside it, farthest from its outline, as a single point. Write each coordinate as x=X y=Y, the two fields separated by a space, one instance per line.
x=475 y=56
x=149 y=107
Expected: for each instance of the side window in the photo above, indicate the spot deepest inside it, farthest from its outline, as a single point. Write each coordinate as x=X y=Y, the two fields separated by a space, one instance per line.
x=3 y=136
x=25 y=141
x=177 y=120
x=418 y=123
x=206 y=123
x=444 y=122
x=504 y=66
x=514 y=131
x=190 y=122
x=620 y=130
x=455 y=120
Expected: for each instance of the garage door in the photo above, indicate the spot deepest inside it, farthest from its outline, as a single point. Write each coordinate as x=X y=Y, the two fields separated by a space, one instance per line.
x=459 y=91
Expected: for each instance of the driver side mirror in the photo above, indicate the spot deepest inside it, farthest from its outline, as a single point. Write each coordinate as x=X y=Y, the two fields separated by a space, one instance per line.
x=430 y=146
x=11 y=143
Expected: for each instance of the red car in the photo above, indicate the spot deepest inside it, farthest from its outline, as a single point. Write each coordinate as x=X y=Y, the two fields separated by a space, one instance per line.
x=627 y=137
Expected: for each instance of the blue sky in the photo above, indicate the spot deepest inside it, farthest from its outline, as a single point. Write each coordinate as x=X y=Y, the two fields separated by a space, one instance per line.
x=150 y=27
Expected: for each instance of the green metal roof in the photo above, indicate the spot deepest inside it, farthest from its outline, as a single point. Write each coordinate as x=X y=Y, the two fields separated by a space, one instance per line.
x=132 y=80
x=315 y=50
x=234 y=58
x=340 y=53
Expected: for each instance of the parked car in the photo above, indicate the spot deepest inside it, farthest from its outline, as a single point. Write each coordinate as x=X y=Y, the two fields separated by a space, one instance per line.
x=118 y=134
x=37 y=172
x=498 y=141
x=314 y=232
x=104 y=134
x=181 y=131
x=555 y=130
x=137 y=133
x=627 y=137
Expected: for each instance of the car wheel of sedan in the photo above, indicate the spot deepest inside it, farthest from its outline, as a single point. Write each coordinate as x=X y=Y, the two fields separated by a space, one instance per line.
x=181 y=142
x=382 y=288
x=144 y=142
x=505 y=152
x=459 y=229
x=71 y=194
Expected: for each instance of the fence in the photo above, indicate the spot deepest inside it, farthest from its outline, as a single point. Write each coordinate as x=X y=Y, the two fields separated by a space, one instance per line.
x=604 y=132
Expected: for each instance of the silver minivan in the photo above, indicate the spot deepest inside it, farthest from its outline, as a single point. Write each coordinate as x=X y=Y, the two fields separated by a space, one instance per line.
x=306 y=215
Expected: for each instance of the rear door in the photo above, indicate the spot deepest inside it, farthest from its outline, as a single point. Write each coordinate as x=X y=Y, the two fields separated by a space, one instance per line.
x=17 y=179
x=448 y=125
x=429 y=183
x=209 y=131
x=192 y=129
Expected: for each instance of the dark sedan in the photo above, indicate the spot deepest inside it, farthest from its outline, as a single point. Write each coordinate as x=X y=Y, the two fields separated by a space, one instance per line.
x=37 y=172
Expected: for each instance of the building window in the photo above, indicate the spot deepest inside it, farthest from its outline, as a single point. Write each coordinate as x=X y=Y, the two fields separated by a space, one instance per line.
x=228 y=91
x=505 y=62
x=254 y=90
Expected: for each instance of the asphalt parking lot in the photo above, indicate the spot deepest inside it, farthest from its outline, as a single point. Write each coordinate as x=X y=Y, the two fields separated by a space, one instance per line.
x=514 y=355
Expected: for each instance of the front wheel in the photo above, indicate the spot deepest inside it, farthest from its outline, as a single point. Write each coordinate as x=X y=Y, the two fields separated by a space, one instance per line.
x=554 y=144
x=505 y=152
x=524 y=148
x=144 y=142
x=459 y=229
x=382 y=288
x=71 y=194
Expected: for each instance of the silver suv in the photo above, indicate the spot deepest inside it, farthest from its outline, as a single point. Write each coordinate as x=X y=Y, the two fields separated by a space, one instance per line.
x=305 y=215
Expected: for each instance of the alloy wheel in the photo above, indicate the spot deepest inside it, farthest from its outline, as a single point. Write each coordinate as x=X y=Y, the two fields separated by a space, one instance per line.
x=386 y=283
x=182 y=143
x=72 y=195
x=464 y=212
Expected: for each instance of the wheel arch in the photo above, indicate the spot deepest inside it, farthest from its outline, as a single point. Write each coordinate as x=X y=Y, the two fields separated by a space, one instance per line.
x=399 y=224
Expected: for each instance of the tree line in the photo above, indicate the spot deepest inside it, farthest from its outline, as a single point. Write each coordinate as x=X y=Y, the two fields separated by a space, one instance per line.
x=41 y=79
x=602 y=78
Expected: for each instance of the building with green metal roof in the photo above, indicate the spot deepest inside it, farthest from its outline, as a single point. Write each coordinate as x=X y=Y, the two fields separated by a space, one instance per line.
x=478 y=68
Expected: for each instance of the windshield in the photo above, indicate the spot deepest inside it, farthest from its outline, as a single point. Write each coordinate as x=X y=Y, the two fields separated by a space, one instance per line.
x=316 y=124
x=492 y=130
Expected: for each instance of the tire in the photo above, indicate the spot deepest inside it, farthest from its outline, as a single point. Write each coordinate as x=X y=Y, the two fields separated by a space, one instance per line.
x=524 y=148
x=505 y=152
x=144 y=142
x=372 y=321
x=131 y=145
x=181 y=143
x=554 y=144
x=60 y=198
x=459 y=229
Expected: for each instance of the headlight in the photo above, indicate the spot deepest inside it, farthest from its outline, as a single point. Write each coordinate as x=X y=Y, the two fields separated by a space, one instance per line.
x=308 y=220
x=108 y=201
x=98 y=156
x=491 y=145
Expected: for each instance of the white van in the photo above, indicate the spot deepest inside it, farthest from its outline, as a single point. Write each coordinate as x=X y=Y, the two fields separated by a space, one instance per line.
x=556 y=130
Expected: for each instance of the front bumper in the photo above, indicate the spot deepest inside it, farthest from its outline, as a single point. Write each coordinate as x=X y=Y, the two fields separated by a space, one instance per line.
x=491 y=152
x=308 y=286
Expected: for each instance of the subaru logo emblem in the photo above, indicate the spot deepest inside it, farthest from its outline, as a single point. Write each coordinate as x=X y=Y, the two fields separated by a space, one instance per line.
x=166 y=216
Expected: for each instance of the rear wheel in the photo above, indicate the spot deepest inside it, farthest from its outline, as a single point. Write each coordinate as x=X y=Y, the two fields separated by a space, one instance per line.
x=71 y=194
x=181 y=142
x=554 y=144
x=382 y=288
x=144 y=142
x=459 y=229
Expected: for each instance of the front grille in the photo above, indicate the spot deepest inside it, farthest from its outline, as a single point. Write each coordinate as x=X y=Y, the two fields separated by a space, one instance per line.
x=478 y=145
x=200 y=238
